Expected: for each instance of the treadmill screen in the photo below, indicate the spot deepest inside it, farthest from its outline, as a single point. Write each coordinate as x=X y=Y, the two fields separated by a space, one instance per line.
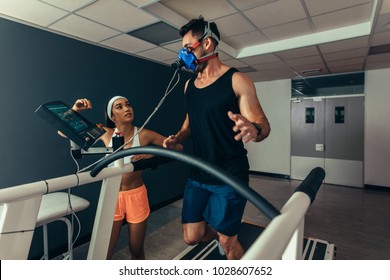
x=68 y=116
x=71 y=123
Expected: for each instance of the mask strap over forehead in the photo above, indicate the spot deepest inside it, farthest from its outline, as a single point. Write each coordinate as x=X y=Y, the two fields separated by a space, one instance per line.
x=111 y=102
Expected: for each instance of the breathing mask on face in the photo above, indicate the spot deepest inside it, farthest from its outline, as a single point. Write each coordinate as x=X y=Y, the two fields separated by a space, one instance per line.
x=186 y=56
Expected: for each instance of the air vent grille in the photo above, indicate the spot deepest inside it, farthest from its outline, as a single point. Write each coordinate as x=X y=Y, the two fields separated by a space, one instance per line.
x=158 y=33
x=379 y=49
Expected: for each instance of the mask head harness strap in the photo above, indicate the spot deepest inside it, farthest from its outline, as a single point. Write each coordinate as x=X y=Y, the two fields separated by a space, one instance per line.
x=207 y=33
x=207 y=57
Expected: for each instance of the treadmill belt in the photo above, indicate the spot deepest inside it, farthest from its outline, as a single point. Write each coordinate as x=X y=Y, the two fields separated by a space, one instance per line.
x=313 y=249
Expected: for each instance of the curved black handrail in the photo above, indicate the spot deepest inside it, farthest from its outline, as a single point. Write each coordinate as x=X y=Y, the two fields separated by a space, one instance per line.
x=312 y=183
x=150 y=163
x=261 y=203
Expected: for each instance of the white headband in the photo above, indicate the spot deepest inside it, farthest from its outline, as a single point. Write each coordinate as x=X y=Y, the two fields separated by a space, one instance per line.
x=111 y=102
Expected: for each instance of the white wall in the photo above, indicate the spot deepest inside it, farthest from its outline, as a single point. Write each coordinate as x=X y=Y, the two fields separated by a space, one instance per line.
x=273 y=154
x=377 y=128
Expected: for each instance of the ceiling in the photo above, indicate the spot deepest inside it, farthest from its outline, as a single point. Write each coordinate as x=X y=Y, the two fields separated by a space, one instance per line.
x=267 y=39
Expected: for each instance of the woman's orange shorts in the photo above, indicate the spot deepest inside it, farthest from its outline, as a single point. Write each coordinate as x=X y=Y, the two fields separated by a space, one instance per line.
x=132 y=205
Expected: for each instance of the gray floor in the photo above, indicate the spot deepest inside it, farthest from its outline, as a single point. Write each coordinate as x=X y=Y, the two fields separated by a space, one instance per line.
x=357 y=221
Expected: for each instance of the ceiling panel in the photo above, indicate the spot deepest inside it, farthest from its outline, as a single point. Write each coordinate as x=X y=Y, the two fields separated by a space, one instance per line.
x=127 y=43
x=304 y=60
x=385 y=9
x=117 y=14
x=31 y=11
x=378 y=61
x=311 y=69
x=165 y=14
x=383 y=23
x=318 y=7
x=278 y=65
x=159 y=54
x=280 y=74
x=69 y=5
x=234 y=24
x=347 y=68
x=208 y=9
x=84 y=29
x=360 y=52
x=277 y=38
x=173 y=46
x=381 y=38
x=346 y=17
x=345 y=62
x=301 y=52
x=224 y=56
x=288 y=30
x=259 y=59
x=235 y=63
x=249 y=4
x=276 y=13
x=142 y=3
x=355 y=43
x=242 y=40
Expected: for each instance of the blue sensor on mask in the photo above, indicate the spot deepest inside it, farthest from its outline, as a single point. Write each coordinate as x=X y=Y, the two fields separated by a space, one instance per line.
x=188 y=58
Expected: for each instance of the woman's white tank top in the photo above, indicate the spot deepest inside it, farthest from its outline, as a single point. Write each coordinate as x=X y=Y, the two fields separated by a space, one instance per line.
x=135 y=143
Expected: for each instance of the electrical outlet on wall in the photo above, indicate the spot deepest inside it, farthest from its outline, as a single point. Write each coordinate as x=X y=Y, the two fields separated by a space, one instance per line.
x=320 y=147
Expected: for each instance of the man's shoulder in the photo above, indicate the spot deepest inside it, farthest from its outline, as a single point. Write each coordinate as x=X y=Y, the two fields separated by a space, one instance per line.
x=241 y=77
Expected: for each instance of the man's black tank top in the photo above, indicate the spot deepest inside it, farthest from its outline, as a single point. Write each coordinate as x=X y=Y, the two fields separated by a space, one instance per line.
x=212 y=130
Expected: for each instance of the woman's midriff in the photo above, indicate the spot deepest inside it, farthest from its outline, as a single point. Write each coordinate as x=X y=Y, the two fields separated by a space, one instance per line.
x=131 y=181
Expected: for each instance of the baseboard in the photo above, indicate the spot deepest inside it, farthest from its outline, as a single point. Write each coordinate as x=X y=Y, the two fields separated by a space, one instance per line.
x=274 y=175
x=376 y=188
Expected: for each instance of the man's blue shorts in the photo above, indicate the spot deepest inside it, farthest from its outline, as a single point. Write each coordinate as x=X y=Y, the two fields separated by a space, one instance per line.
x=219 y=205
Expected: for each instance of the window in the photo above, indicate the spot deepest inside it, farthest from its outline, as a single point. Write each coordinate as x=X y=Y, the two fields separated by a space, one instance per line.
x=329 y=85
x=309 y=115
x=339 y=114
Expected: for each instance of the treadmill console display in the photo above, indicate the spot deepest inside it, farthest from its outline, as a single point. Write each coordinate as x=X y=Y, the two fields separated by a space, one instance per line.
x=70 y=123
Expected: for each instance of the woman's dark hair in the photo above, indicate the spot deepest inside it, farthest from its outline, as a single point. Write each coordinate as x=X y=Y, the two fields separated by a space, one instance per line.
x=197 y=27
x=109 y=122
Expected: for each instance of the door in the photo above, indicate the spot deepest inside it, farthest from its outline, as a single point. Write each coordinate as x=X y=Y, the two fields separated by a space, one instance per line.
x=328 y=132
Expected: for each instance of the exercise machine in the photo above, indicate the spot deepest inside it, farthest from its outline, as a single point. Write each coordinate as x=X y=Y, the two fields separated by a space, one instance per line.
x=281 y=239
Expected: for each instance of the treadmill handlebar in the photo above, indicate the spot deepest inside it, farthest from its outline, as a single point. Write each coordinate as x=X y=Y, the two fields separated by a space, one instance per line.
x=151 y=163
x=255 y=198
x=312 y=183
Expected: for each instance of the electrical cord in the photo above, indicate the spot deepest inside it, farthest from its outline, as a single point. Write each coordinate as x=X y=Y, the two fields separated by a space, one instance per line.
x=73 y=214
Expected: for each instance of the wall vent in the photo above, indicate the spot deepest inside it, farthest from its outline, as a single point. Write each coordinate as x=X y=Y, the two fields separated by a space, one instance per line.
x=379 y=49
x=158 y=33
